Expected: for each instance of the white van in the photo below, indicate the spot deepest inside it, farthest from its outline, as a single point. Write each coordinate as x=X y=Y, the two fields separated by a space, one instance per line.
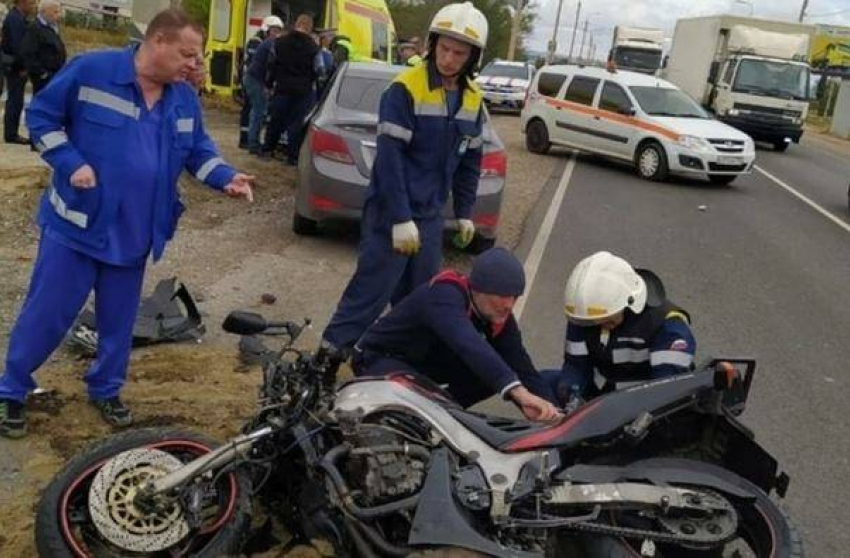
x=633 y=117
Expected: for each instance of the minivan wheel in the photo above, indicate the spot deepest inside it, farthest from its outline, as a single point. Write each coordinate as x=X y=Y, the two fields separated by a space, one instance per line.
x=651 y=162
x=304 y=226
x=722 y=179
x=537 y=137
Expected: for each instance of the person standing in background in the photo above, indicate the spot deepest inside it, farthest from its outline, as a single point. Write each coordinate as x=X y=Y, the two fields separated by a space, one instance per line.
x=42 y=49
x=254 y=82
x=14 y=28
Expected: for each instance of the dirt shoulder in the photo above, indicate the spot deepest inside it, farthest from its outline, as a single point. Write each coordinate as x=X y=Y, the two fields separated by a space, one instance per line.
x=228 y=253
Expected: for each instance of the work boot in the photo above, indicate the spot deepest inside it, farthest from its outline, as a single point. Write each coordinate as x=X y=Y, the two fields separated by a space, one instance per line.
x=113 y=411
x=13 y=421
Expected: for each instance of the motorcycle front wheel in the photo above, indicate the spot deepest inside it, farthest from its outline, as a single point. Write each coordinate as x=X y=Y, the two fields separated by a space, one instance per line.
x=88 y=509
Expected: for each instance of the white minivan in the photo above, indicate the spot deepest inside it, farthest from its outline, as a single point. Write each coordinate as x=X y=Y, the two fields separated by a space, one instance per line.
x=634 y=117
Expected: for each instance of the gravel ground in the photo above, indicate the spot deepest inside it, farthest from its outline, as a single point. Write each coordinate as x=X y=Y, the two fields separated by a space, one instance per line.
x=229 y=253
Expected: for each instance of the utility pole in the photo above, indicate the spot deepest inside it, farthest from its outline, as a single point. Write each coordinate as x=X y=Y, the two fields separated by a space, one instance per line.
x=803 y=10
x=515 y=25
x=553 y=43
x=583 y=36
x=575 y=28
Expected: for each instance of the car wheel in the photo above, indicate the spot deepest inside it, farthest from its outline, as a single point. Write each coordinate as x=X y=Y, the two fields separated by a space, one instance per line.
x=780 y=146
x=722 y=179
x=480 y=244
x=304 y=226
x=537 y=137
x=651 y=162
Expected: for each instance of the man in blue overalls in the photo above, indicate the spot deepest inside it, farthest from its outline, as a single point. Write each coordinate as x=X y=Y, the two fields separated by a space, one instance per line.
x=118 y=127
x=429 y=143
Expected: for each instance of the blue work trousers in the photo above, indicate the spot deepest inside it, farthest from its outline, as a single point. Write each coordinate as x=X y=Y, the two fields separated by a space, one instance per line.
x=61 y=282
x=258 y=100
x=382 y=276
x=287 y=115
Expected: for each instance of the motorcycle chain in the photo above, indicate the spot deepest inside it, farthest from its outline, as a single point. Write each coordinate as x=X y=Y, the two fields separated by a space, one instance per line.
x=655 y=536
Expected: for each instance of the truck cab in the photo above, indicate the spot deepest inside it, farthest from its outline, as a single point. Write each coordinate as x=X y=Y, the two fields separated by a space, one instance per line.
x=637 y=49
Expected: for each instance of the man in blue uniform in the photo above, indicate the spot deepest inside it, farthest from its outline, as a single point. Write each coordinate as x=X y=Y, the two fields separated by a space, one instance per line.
x=429 y=144
x=614 y=328
x=461 y=331
x=118 y=127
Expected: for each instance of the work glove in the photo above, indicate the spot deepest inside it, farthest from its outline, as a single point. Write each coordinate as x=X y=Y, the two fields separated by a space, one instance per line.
x=406 y=238
x=466 y=230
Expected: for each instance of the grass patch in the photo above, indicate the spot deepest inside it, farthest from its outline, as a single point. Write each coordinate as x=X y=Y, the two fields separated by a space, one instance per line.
x=95 y=37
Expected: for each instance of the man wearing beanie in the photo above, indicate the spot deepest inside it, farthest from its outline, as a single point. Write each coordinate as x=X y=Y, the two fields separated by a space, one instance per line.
x=460 y=331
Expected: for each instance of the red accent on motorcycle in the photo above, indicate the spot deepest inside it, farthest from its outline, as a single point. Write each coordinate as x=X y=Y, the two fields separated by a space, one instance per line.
x=725 y=376
x=63 y=503
x=546 y=437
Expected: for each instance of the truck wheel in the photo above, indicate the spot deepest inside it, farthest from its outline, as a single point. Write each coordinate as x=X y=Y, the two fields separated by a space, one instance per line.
x=722 y=179
x=537 y=137
x=651 y=162
x=304 y=226
x=780 y=146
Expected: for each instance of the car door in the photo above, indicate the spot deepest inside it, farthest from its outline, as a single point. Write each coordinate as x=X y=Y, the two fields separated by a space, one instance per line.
x=617 y=133
x=574 y=123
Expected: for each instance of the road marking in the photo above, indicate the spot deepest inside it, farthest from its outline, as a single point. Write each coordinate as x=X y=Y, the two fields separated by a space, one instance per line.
x=803 y=198
x=532 y=262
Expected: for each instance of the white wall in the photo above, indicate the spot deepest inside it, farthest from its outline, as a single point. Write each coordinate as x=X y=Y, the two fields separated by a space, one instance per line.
x=841 y=117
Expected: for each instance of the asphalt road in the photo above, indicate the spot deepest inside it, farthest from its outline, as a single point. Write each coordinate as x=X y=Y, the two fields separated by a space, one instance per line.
x=762 y=273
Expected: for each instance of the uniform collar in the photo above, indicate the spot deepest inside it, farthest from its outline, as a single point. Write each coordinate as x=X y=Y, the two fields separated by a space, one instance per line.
x=435 y=80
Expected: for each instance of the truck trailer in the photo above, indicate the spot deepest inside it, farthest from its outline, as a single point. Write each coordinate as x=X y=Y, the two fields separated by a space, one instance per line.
x=637 y=49
x=751 y=73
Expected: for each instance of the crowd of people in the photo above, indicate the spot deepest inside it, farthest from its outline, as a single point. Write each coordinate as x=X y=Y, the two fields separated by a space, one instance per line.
x=103 y=118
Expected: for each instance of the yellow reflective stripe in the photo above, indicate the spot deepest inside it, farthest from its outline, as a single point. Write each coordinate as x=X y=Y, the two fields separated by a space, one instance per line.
x=432 y=102
x=108 y=100
x=76 y=217
x=677 y=314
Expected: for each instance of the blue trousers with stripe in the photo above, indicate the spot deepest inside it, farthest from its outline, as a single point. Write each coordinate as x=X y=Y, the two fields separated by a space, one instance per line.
x=383 y=276
x=61 y=282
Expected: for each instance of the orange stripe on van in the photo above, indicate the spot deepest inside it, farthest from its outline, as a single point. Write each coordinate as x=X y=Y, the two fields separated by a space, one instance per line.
x=371 y=13
x=613 y=116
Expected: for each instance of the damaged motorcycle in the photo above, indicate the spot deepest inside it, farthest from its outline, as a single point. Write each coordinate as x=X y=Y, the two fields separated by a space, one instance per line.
x=391 y=466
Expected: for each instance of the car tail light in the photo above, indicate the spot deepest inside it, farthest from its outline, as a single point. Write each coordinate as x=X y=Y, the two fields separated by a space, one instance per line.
x=494 y=164
x=324 y=204
x=330 y=146
x=488 y=220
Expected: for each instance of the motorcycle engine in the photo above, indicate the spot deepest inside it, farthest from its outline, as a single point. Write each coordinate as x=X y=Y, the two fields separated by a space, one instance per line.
x=384 y=465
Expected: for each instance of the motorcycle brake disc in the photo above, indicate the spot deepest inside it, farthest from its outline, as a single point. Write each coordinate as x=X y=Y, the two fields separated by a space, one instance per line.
x=111 y=502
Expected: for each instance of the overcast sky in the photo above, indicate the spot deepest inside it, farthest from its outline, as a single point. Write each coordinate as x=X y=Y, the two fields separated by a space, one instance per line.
x=603 y=15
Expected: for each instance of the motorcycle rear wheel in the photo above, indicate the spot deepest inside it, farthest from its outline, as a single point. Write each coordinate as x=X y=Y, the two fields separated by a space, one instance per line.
x=64 y=526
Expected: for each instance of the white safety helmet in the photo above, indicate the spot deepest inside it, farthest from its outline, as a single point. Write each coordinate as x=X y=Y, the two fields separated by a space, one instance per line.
x=463 y=22
x=271 y=21
x=601 y=286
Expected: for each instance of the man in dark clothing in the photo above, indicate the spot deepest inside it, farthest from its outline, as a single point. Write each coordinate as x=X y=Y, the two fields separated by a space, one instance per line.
x=14 y=28
x=42 y=49
x=292 y=75
x=250 y=50
x=254 y=82
x=460 y=331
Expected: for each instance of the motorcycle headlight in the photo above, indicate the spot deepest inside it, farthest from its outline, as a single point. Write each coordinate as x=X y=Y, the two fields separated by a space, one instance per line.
x=695 y=143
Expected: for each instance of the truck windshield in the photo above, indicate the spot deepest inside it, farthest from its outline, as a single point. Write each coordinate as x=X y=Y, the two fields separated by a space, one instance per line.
x=637 y=58
x=772 y=79
x=659 y=101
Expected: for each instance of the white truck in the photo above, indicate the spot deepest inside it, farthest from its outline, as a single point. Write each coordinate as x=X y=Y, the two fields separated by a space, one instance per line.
x=637 y=49
x=751 y=73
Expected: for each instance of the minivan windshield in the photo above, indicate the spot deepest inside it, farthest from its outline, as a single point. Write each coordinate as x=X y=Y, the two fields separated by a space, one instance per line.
x=505 y=70
x=664 y=101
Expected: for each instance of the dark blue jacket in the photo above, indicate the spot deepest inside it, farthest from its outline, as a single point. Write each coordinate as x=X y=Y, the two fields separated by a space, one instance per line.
x=259 y=65
x=85 y=115
x=425 y=153
x=14 y=28
x=436 y=327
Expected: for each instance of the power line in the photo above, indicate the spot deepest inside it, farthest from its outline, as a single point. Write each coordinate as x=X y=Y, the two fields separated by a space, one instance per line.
x=830 y=14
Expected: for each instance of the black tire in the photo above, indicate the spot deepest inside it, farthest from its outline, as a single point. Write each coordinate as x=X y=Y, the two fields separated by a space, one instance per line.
x=651 y=162
x=480 y=244
x=537 y=137
x=53 y=531
x=763 y=521
x=304 y=226
x=722 y=179
x=780 y=146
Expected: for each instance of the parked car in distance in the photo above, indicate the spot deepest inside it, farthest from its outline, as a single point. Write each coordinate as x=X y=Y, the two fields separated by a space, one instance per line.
x=633 y=117
x=505 y=83
x=339 y=149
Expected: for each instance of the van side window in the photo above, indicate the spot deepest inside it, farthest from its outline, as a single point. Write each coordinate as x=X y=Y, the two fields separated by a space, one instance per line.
x=614 y=98
x=549 y=84
x=581 y=90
